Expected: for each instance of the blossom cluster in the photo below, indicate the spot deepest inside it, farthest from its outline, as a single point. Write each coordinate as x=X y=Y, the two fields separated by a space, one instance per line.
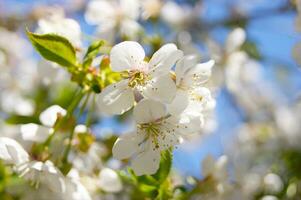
x=169 y=105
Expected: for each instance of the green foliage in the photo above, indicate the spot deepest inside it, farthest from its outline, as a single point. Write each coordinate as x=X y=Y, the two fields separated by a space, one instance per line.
x=54 y=48
x=18 y=119
x=251 y=49
x=92 y=52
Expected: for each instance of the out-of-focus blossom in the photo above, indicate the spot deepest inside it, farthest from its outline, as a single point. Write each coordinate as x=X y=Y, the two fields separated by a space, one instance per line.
x=57 y=23
x=49 y=116
x=151 y=8
x=114 y=15
x=109 y=180
x=12 y=152
x=175 y=14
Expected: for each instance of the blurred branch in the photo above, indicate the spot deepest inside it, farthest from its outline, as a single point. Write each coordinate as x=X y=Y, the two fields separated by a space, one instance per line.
x=240 y=19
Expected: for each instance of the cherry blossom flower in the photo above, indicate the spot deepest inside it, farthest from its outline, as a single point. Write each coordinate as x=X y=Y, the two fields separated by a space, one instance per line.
x=55 y=22
x=39 y=133
x=109 y=181
x=151 y=79
x=192 y=98
x=156 y=131
x=113 y=15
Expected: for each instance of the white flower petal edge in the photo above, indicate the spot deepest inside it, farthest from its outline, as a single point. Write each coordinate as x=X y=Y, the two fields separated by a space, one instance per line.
x=117 y=98
x=126 y=56
x=164 y=59
x=109 y=181
x=34 y=132
x=11 y=152
x=146 y=162
x=49 y=116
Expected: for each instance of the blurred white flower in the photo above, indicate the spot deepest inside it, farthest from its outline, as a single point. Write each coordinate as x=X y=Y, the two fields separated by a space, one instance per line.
x=175 y=14
x=11 y=152
x=114 y=15
x=269 y=197
x=109 y=181
x=216 y=169
x=151 y=8
x=37 y=172
x=46 y=173
x=56 y=23
x=273 y=183
x=234 y=40
x=49 y=116
x=156 y=131
x=151 y=79
x=90 y=161
x=34 y=132
x=13 y=102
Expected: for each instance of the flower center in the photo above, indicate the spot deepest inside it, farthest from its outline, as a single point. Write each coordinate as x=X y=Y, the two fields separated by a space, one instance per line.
x=137 y=78
x=153 y=131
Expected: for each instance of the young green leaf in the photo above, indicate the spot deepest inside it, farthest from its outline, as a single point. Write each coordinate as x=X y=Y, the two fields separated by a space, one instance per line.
x=92 y=52
x=165 y=166
x=54 y=48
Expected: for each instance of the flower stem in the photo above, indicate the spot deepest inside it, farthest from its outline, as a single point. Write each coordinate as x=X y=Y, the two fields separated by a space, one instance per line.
x=68 y=148
x=70 y=111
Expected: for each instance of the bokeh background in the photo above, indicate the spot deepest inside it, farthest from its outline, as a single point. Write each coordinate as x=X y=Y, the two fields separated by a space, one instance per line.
x=262 y=92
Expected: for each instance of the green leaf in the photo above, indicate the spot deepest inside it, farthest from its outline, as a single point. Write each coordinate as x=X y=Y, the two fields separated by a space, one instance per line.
x=18 y=119
x=92 y=52
x=251 y=49
x=54 y=48
x=165 y=166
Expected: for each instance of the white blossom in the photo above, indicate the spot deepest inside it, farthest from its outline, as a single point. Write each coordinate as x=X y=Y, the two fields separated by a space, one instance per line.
x=57 y=23
x=49 y=116
x=34 y=132
x=192 y=98
x=151 y=79
x=109 y=181
x=114 y=15
x=11 y=152
x=156 y=131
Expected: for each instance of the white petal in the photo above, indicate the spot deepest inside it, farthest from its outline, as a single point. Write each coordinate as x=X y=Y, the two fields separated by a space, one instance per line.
x=130 y=8
x=116 y=98
x=183 y=65
x=125 y=146
x=34 y=132
x=198 y=74
x=130 y=28
x=161 y=88
x=179 y=103
x=146 y=162
x=126 y=55
x=109 y=181
x=12 y=152
x=76 y=190
x=99 y=11
x=164 y=59
x=149 y=111
x=49 y=116
x=235 y=39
